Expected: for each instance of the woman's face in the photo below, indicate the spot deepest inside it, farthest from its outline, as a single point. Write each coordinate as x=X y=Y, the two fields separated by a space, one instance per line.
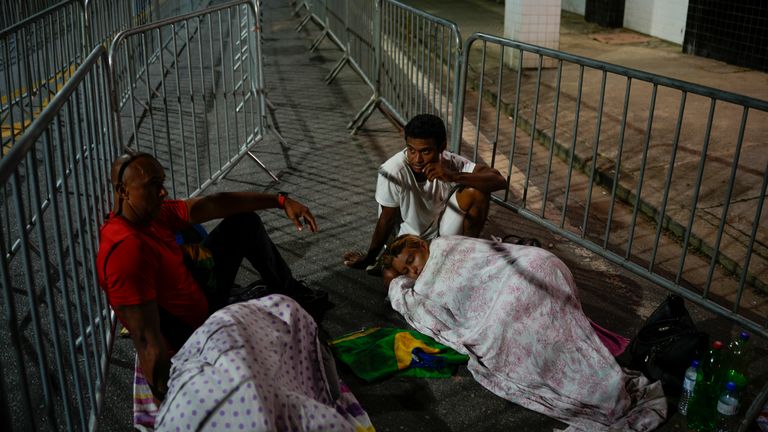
x=411 y=261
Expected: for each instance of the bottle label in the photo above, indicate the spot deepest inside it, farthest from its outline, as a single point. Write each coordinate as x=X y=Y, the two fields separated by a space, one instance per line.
x=727 y=409
x=689 y=384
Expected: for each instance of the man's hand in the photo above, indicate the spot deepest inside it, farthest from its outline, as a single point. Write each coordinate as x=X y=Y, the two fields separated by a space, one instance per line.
x=357 y=260
x=298 y=212
x=439 y=170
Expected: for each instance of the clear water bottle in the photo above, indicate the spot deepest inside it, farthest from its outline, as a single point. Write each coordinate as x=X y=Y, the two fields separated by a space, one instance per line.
x=727 y=407
x=689 y=382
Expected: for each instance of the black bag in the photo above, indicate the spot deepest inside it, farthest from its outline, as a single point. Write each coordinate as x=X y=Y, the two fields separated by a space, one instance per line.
x=666 y=344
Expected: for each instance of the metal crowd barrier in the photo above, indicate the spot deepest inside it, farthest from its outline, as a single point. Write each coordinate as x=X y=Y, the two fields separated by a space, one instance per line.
x=37 y=56
x=59 y=328
x=356 y=27
x=315 y=12
x=611 y=159
x=409 y=58
x=13 y=11
x=195 y=93
x=105 y=19
x=417 y=62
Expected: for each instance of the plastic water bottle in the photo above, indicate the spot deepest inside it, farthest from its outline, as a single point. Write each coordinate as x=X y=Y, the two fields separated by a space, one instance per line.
x=727 y=407
x=689 y=383
x=736 y=362
x=702 y=405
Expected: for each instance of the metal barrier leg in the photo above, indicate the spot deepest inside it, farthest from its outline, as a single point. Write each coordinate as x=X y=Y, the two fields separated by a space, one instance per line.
x=261 y=164
x=363 y=114
x=303 y=22
x=317 y=40
x=336 y=69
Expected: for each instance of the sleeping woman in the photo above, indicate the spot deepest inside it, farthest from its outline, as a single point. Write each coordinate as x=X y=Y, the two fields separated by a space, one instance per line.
x=515 y=311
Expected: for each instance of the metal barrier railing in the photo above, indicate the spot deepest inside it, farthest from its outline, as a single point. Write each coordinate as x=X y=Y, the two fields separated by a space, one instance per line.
x=196 y=96
x=37 y=56
x=105 y=19
x=408 y=57
x=417 y=58
x=59 y=328
x=14 y=11
x=614 y=160
x=357 y=38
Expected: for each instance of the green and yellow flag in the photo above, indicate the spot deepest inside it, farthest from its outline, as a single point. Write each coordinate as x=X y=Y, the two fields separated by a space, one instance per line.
x=380 y=352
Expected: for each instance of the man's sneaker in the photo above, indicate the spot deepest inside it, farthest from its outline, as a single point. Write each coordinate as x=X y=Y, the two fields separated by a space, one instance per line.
x=254 y=290
x=314 y=301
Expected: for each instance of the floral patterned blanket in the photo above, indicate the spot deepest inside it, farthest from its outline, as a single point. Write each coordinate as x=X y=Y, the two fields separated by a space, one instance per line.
x=515 y=311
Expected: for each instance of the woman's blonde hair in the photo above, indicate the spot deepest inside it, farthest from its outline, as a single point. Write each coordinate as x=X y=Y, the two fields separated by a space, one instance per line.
x=396 y=247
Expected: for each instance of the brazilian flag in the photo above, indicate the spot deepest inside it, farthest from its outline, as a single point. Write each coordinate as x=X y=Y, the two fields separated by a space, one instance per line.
x=381 y=352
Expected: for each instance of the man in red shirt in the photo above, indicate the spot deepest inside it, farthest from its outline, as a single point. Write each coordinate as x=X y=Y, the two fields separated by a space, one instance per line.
x=142 y=269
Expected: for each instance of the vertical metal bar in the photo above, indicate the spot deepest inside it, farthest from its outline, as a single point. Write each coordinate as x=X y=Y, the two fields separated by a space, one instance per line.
x=224 y=88
x=593 y=169
x=619 y=154
x=515 y=119
x=166 y=116
x=179 y=106
x=232 y=76
x=499 y=80
x=668 y=182
x=553 y=138
x=529 y=163
x=638 y=191
x=727 y=200
x=191 y=79
x=480 y=92
x=153 y=135
x=213 y=91
x=696 y=190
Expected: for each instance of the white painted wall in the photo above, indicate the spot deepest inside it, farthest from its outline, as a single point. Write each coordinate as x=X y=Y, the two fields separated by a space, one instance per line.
x=664 y=19
x=575 y=6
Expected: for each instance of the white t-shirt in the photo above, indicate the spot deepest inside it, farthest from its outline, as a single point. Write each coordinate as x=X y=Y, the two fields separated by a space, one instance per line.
x=420 y=203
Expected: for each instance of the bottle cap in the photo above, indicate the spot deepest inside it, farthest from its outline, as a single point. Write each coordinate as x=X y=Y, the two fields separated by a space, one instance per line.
x=744 y=336
x=695 y=363
x=716 y=345
x=730 y=386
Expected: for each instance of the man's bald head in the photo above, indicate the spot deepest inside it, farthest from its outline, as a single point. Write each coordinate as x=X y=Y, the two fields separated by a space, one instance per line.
x=124 y=166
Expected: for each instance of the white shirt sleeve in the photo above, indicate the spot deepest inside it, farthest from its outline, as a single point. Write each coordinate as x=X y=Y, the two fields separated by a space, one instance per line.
x=388 y=190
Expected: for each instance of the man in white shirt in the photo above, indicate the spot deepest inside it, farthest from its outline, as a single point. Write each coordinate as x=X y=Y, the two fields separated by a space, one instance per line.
x=427 y=191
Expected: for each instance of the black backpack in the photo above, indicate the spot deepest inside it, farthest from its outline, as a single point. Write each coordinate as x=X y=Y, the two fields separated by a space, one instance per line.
x=666 y=344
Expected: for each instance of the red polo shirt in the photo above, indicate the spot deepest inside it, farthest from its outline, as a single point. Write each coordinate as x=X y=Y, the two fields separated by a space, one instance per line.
x=146 y=263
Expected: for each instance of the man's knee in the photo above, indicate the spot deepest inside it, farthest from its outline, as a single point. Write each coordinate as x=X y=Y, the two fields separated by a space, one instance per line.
x=472 y=200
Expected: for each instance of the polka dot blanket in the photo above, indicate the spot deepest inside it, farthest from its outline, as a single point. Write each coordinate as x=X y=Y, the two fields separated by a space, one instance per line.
x=257 y=366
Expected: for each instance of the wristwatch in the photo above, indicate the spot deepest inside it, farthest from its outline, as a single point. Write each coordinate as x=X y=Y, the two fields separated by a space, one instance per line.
x=281 y=196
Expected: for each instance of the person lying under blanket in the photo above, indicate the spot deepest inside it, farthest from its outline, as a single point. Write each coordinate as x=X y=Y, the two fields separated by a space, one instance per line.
x=258 y=366
x=515 y=311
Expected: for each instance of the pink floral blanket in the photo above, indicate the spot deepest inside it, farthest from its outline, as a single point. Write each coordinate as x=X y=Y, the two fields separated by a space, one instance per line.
x=516 y=312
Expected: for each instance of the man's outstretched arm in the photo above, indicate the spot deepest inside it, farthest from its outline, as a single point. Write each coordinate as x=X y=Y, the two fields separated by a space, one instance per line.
x=483 y=178
x=221 y=205
x=386 y=223
x=143 y=322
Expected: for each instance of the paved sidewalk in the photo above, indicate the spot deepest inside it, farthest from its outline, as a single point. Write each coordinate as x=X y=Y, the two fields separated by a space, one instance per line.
x=334 y=174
